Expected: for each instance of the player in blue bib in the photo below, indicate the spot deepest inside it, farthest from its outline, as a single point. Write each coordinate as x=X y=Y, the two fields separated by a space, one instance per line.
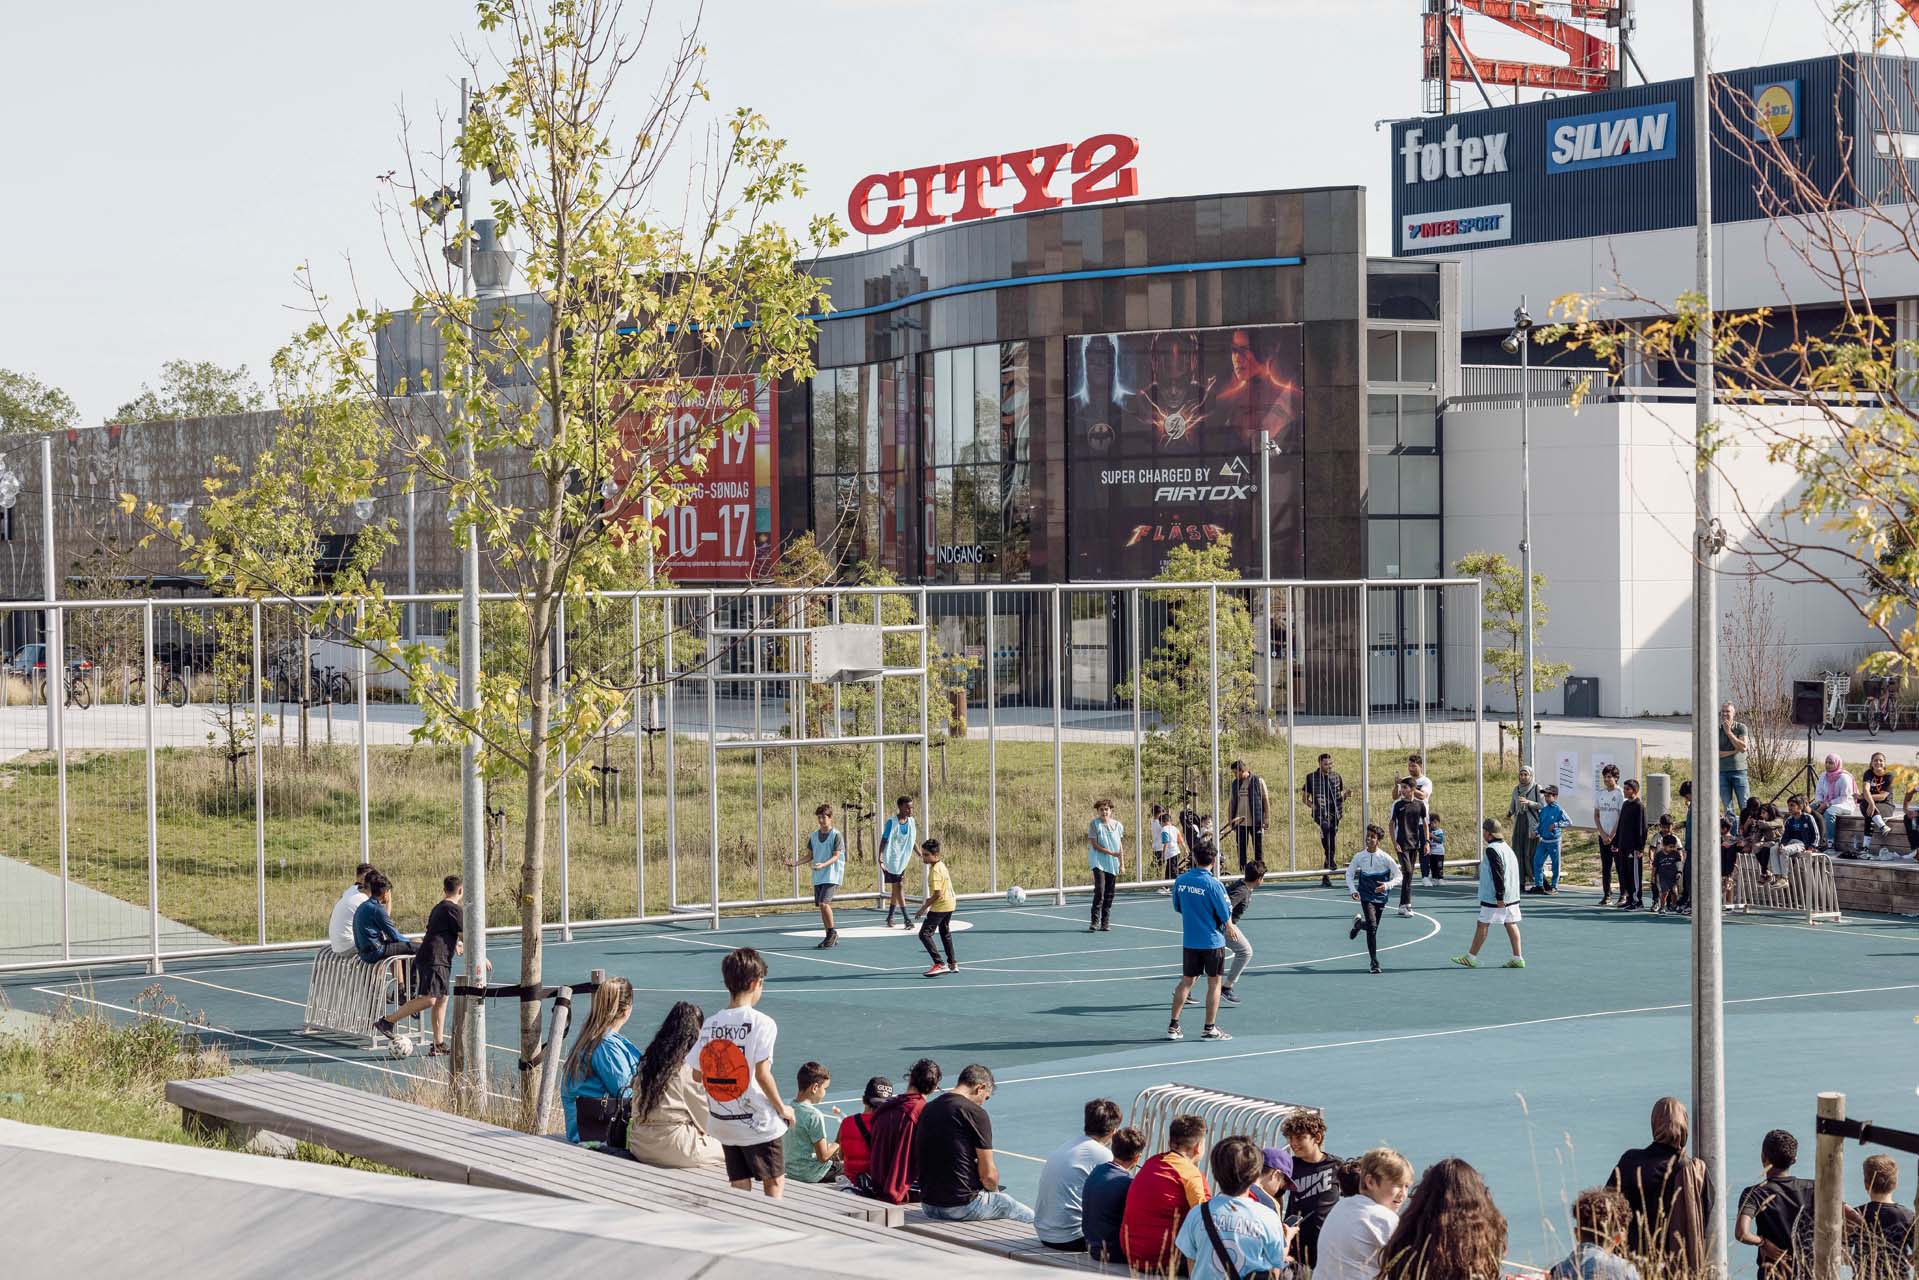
x=899 y=845
x=826 y=848
x=1204 y=912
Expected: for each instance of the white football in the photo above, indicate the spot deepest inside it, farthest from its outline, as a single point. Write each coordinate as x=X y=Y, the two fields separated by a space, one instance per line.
x=400 y=1045
x=1016 y=897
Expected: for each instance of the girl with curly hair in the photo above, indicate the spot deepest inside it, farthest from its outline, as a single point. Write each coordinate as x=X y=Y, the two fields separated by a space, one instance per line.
x=1450 y=1230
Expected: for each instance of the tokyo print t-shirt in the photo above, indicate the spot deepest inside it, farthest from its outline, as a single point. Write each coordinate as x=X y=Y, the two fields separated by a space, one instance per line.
x=732 y=1043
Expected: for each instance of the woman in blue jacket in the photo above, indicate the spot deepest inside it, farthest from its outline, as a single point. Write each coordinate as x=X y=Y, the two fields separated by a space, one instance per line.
x=603 y=1061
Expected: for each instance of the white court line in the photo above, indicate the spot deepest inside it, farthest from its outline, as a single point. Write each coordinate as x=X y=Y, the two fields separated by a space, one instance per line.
x=1032 y=911
x=1151 y=970
x=1448 y=1031
x=796 y=955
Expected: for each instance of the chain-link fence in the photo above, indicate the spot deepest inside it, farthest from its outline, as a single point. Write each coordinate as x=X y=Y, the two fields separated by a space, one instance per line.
x=203 y=776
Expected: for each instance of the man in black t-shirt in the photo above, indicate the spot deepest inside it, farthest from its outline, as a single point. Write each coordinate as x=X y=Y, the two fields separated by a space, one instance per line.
x=1776 y=1214
x=1325 y=793
x=1315 y=1181
x=1412 y=837
x=433 y=964
x=953 y=1149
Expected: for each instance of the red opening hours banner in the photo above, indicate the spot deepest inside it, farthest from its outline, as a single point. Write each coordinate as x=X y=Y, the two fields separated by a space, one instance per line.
x=722 y=528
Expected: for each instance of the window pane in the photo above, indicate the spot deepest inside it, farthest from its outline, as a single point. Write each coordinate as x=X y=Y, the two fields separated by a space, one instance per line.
x=1382 y=426
x=940 y=445
x=1015 y=412
x=846 y=418
x=1382 y=549
x=825 y=462
x=1382 y=355
x=1392 y=296
x=1383 y=484
x=1419 y=549
x=1418 y=356
x=959 y=399
x=1418 y=484
x=986 y=397
x=1418 y=422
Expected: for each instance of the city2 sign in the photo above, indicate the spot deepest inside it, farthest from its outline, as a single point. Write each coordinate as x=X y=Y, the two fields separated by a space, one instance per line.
x=1102 y=167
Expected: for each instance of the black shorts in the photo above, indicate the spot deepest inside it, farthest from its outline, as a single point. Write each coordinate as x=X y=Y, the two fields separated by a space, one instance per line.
x=823 y=894
x=433 y=980
x=1195 y=961
x=763 y=1161
x=1728 y=862
x=893 y=877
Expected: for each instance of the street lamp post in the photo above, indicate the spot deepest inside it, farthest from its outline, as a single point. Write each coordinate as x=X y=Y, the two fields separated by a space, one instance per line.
x=1519 y=342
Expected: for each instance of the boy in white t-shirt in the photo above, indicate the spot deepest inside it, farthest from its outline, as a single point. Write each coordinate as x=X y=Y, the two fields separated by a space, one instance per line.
x=339 y=930
x=735 y=1055
x=1356 y=1231
x=1166 y=844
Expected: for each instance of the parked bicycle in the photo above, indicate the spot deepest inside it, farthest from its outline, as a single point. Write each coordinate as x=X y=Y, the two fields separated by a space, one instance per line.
x=1876 y=709
x=173 y=690
x=322 y=684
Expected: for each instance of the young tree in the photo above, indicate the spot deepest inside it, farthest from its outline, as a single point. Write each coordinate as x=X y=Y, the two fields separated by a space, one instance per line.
x=1505 y=624
x=572 y=397
x=1756 y=679
x=193 y=389
x=29 y=406
x=1175 y=680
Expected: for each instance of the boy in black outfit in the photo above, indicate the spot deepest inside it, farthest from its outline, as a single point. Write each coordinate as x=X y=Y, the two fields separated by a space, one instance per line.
x=433 y=967
x=1630 y=839
x=1879 y=1242
x=1412 y=839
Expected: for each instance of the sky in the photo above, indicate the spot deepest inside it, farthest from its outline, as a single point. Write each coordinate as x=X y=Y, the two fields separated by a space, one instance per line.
x=169 y=167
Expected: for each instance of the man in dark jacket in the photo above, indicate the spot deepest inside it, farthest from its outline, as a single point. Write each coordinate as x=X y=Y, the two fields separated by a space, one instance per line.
x=1325 y=793
x=1670 y=1197
x=1246 y=812
x=893 y=1176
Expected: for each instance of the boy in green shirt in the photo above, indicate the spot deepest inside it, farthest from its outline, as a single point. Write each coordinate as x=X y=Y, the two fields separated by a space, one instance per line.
x=812 y=1156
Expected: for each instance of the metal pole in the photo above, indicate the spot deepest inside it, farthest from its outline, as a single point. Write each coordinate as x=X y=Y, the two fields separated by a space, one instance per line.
x=926 y=716
x=759 y=759
x=1139 y=738
x=712 y=760
x=1292 y=744
x=1479 y=704
x=472 y=791
x=1419 y=607
x=1059 y=764
x=1527 y=718
x=1829 y=1193
x=359 y=672
x=153 y=792
x=412 y=559
x=639 y=771
x=796 y=726
x=1266 y=575
x=566 y=825
x=671 y=760
x=1365 y=712
x=1212 y=706
x=55 y=689
x=259 y=789
x=1708 y=973
x=839 y=726
x=992 y=749
x=879 y=755
x=56 y=675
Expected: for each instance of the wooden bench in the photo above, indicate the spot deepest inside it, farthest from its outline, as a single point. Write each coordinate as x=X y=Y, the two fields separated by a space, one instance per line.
x=1005 y=1239
x=449 y=1148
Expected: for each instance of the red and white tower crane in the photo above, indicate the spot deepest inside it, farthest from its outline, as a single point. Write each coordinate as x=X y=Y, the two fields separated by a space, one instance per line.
x=1593 y=36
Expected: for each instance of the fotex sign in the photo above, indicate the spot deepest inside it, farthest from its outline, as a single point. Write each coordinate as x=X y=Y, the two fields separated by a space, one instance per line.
x=1605 y=139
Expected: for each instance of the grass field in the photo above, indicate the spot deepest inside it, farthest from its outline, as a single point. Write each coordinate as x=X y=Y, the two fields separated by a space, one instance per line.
x=208 y=856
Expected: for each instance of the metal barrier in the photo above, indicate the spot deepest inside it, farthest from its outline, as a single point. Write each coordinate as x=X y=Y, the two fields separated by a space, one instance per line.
x=1226 y=1114
x=1805 y=887
x=231 y=823
x=346 y=995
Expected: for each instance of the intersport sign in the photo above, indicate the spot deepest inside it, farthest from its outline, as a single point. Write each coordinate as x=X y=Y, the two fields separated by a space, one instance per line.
x=1631 y=135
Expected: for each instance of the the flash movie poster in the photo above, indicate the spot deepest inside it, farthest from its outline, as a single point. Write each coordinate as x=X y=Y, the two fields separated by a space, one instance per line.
x=1163 y=434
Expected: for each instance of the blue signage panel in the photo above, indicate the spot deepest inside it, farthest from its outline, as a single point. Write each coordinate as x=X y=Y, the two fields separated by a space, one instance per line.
x=1630 y=135
x=1775 y=110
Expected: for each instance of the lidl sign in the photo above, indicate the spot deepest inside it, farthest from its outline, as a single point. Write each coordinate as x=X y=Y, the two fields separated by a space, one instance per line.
x=1631 y=135
x=1775 y=110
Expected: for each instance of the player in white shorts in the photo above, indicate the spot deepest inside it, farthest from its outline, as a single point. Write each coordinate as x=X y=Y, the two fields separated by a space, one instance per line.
x=1498 y=898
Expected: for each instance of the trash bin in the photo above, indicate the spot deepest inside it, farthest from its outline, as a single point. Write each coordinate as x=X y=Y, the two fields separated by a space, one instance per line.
x=1582 y=696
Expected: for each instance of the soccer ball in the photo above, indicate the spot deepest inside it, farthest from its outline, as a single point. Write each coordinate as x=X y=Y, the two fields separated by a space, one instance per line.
x=400 y=1045
x=1016 y=897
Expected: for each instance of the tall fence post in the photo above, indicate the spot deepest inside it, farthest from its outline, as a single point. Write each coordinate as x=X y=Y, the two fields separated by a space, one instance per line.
x=259 y=787
x=672 y=790
x=1419 y=608
x=359 y=679
x=1829 y=1193
x=153 y=791
x=1059 y=763
x=1365 y=712
x=1212 y=706
x=713 y=756
x=1478 y=678
x=926 y=714
x=796 y=694
x=1139 y=741
x=1292 y=742
x=57 y=718
x=639 y=768
x=992 y=748
x=879 y=757
x=759 y=756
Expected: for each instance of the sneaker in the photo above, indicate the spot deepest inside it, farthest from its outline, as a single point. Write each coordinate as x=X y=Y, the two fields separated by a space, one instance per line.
x=1092 y=928
x=823 y=943
x=384 y=1026
x=1226 y=996
x=1466 y=962
x=952 y=966
x=1164 y=893
x=1174 y=1033
x=1605 y=899
x=1213 y=1033
x=440 y=1050
x=1325 y=882
x=1517 y=962
x=1375 y=966
x=935 y=971
x=832 y=937
x=1406 y=912
x=1105 y=927
x=1359 y=922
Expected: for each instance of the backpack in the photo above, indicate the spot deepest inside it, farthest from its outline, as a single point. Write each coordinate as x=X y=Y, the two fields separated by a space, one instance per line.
x=890 y=1176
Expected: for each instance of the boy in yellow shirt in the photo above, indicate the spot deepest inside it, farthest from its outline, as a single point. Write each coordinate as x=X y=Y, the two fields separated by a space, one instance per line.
x=937 y=910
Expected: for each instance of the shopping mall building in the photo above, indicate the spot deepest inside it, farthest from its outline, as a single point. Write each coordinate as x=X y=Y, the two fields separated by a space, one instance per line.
x=1068 y=394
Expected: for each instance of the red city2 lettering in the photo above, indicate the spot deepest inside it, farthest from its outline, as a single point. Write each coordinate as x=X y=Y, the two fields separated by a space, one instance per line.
x=1102 y=165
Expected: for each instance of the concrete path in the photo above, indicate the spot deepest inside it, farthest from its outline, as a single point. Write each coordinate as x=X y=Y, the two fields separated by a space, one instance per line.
x=102 y=925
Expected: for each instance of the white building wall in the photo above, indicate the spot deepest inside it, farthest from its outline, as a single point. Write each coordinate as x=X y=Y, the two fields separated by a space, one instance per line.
x=1612 y=532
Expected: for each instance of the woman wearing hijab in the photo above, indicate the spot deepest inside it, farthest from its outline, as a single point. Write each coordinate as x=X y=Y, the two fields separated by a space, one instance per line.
x=1835 y=787
x=1670 y=1197
x=1523 y=810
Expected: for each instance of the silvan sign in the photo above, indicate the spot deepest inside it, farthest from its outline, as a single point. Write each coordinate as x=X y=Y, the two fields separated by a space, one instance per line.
x=1632 y=135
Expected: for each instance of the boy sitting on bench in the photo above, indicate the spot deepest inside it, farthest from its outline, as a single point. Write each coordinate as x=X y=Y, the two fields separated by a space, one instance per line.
x=378 y=940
